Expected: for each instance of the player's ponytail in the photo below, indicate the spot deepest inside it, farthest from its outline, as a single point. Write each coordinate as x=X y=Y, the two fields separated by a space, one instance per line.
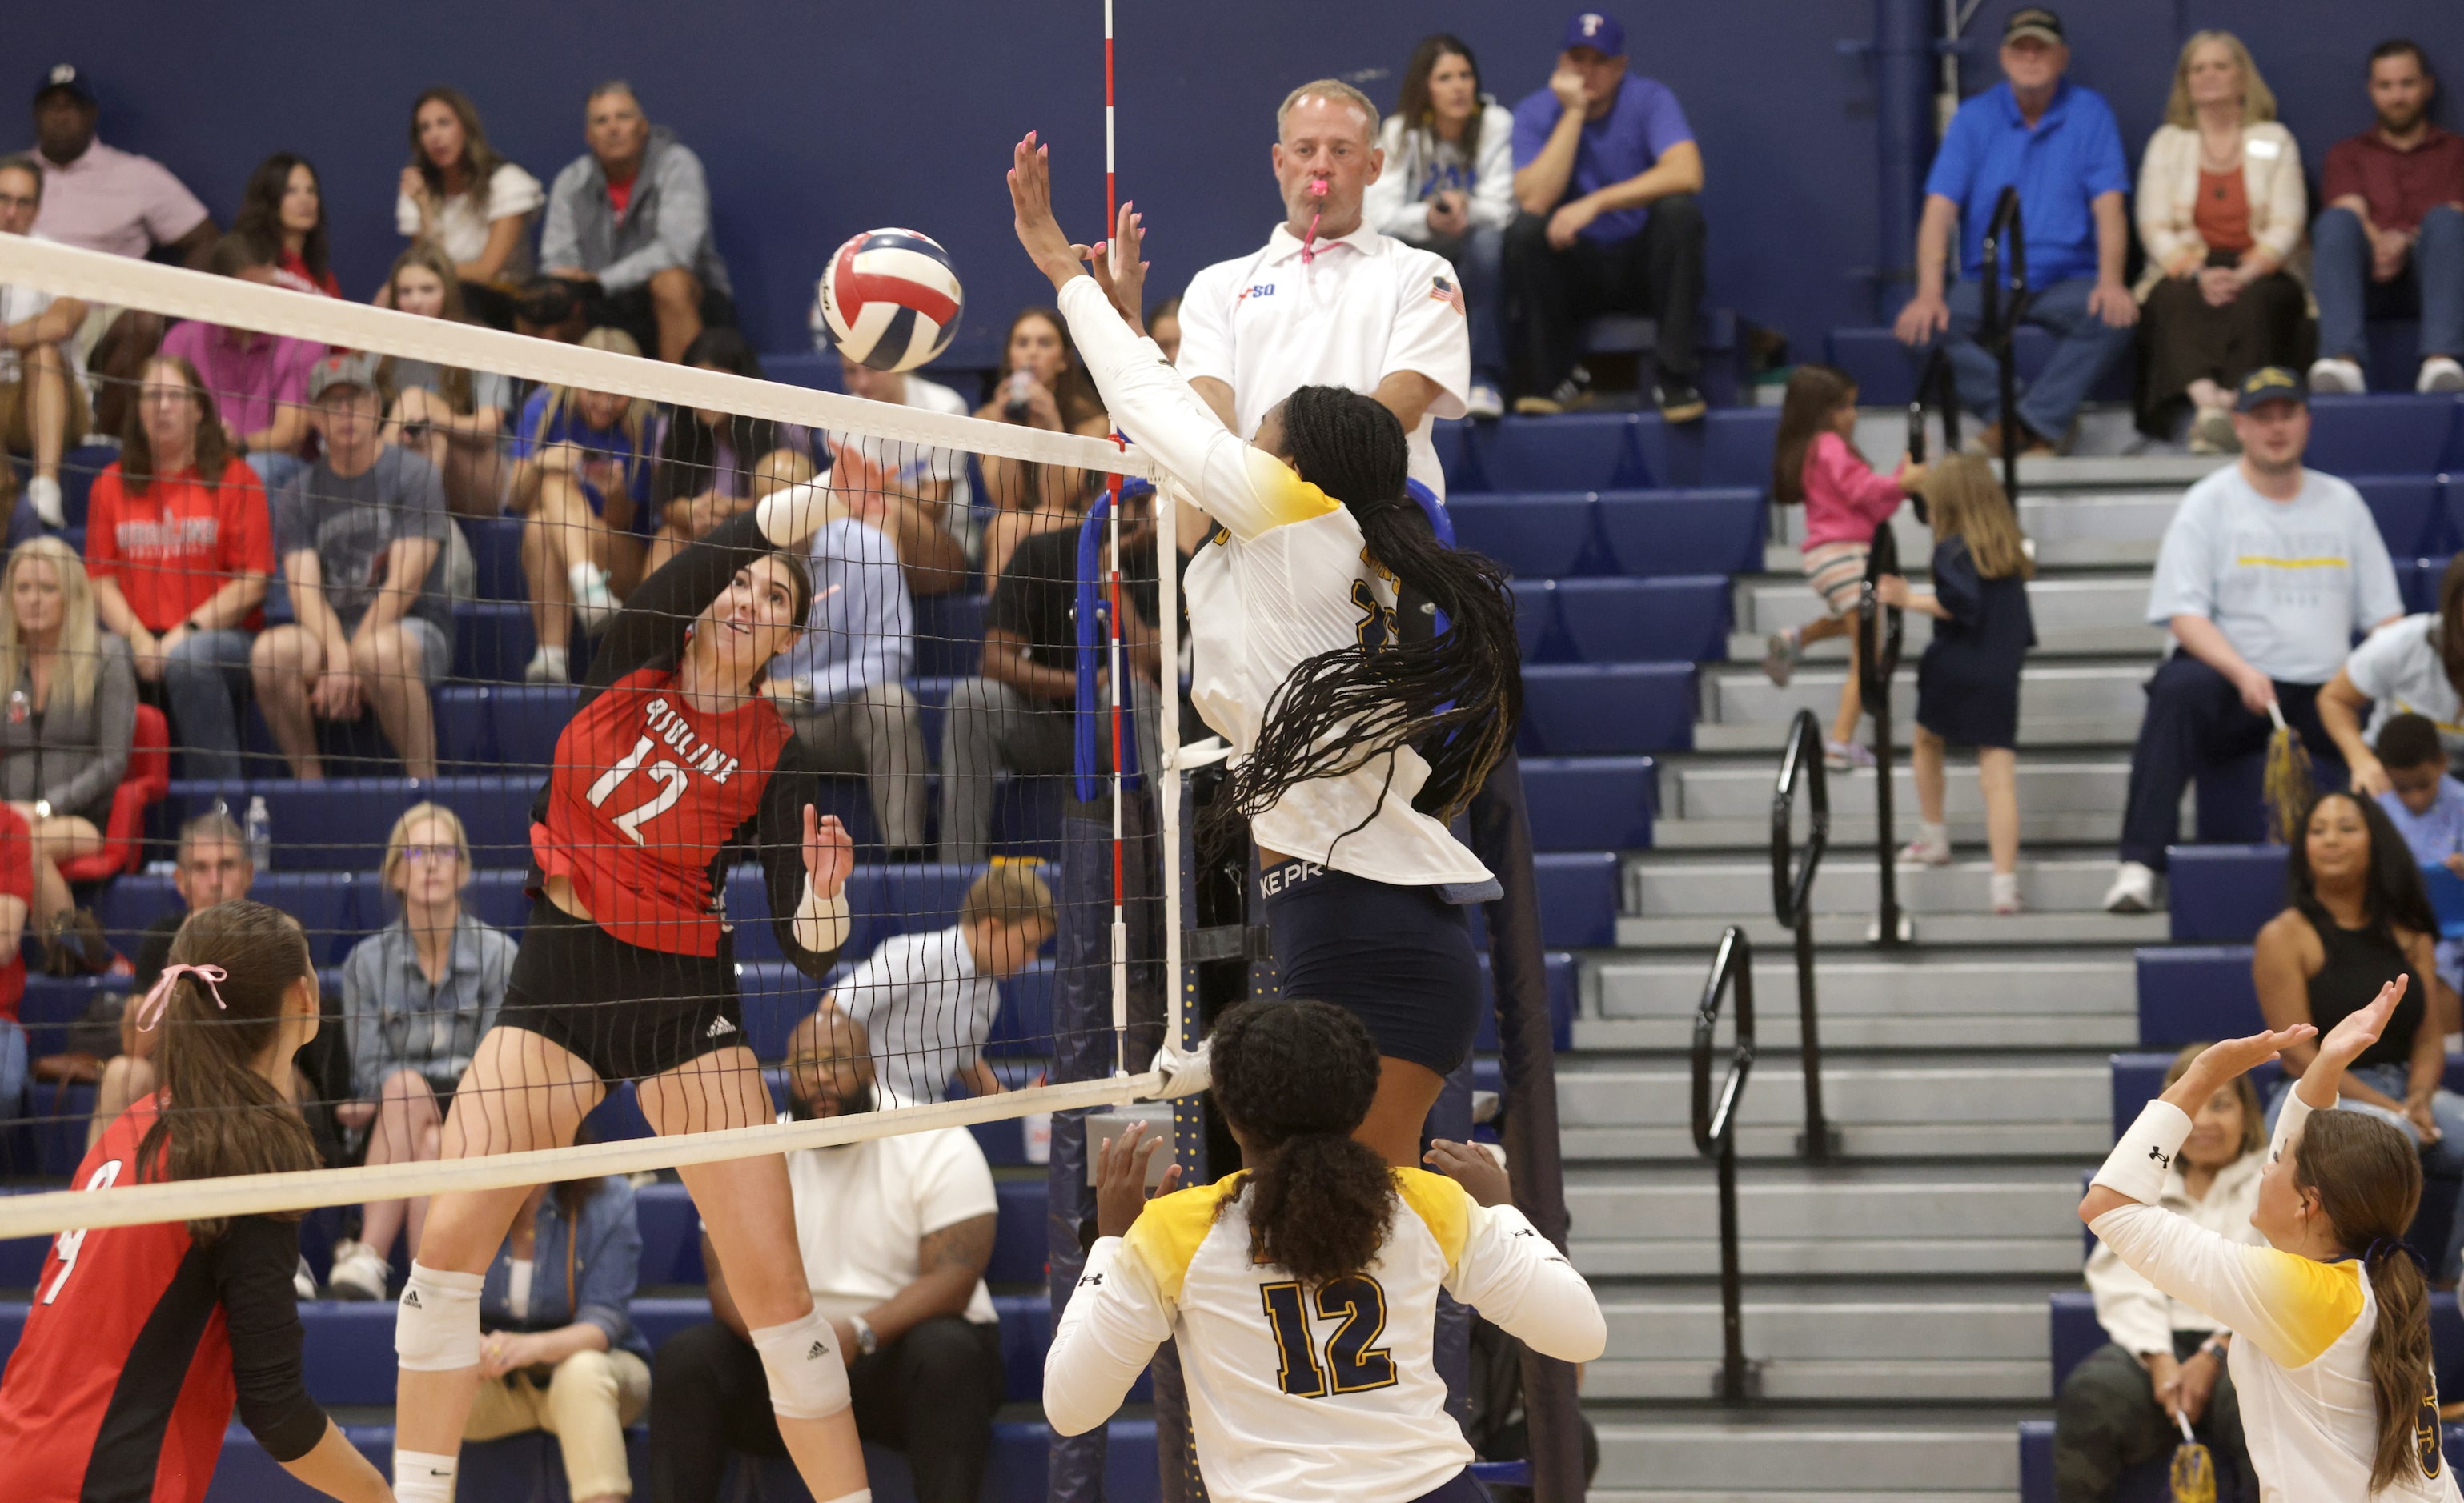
x=2367 y=1177
x=1456 y=696
x=1296 y=1078
x=220 y=1117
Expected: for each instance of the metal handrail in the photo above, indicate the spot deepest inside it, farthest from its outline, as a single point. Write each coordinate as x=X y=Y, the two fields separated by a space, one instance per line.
x=1880 y=630
x=1998 y=325
x=1715 y=1135
x=1793 y=872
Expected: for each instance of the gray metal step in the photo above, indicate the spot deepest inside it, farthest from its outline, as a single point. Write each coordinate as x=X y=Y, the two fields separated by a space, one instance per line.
x=2037 y=830
x=1897 y=1111
x=1836 y=931
x=1659 y=886
x=2099 y=613
x=1833 y=1342
x=1697 y=790
x=2102 y=694
x=2091 y=733
x=2112 y=527
x=1862 y=1457
x=1923 y=999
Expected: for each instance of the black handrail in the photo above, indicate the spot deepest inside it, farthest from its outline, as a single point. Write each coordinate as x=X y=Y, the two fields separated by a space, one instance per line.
x=1880 y=630
x=1715 y=1135
x=1997 y=324
x=1937 y=390
x=1792 y=870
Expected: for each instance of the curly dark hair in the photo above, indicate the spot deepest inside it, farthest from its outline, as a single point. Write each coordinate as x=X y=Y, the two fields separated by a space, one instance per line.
x=1456 y=696
x=1296 y=1078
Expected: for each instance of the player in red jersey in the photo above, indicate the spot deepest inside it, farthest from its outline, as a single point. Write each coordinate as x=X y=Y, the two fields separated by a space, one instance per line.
x=141 y=1339
x=625 y=973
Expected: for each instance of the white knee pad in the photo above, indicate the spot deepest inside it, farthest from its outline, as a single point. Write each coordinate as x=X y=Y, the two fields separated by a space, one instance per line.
x=808 y=1379
x=436 y=1323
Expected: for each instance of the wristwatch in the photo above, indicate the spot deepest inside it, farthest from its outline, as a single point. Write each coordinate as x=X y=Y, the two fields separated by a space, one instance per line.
x=865 y=1342
x=2215 y=1346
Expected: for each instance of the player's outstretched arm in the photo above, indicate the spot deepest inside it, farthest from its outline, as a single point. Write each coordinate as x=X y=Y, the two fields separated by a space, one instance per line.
x=1514 y=1276
x=2217 y=1066
x=806 y=858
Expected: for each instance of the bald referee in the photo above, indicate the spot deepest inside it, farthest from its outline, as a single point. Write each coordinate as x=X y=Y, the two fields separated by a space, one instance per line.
x=1328 y=301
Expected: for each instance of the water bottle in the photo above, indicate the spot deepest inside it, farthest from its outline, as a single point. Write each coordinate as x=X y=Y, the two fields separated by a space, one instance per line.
x=1035 y=1129
x=260 y=834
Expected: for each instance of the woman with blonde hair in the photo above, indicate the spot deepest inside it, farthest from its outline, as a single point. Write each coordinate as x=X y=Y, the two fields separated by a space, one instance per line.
x=461 y=195
x=417 y=996
x=2221 y=211
x=72 y=690
x=582 y=475
x=452 y=416
x=1967 y=683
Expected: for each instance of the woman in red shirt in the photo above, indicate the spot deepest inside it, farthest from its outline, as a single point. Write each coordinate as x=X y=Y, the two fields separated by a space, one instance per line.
x=283 y=207
x=178 y=545
x=141 y=1340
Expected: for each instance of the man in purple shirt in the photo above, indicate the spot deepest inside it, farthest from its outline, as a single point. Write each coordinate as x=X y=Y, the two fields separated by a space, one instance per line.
x=260 y=380
x=103 y=198
x=1605 y=173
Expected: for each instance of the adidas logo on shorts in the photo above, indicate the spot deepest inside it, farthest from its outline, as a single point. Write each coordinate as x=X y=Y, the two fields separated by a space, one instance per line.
x=719 y=1028
x=410 y=1298
x=819 y=1350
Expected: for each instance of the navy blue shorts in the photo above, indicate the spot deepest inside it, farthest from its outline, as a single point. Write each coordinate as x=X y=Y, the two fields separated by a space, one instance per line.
x=1397 y=958
x=1460 y=1488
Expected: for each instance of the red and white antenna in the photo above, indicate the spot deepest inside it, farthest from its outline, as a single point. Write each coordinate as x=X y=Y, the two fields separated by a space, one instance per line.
x=1120 y=682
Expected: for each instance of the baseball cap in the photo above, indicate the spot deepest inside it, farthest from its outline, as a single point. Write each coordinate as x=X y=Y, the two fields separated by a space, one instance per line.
x=2271 y=384
x=2034 y=20
x=69 y=76
x=343 y=370
x=1601 y=34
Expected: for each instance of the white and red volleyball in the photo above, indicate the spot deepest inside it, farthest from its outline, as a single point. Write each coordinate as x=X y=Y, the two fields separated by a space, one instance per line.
x=889 y=299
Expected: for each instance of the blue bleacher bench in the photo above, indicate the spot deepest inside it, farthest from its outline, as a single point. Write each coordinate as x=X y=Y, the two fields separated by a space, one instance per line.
x=2384 y=433
x=2221 y=893
x=1606 y=709
x=2411 y=512
x=1585 y=804
x=2195 y=993
x=1579 y=898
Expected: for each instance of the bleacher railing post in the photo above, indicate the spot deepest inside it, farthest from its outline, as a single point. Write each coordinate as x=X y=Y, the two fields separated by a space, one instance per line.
x=1880 y=629
x=1999 y=324
x=1715 y=1135
x=1793 y=872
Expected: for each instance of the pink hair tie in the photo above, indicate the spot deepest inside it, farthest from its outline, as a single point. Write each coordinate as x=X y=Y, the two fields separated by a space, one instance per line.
x=150 y=1011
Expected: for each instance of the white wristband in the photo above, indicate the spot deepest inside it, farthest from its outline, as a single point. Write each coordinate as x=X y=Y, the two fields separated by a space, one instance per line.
x=2137 y=1165
x=821 y=924
x=2289 y=1122
x=794 y=514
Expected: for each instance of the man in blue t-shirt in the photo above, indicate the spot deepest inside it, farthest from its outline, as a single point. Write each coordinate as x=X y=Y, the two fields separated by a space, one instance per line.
x=2057 y=143
x=1605 y=174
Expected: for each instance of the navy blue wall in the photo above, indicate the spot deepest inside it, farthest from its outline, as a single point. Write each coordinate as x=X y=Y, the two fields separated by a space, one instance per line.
x=819 y=120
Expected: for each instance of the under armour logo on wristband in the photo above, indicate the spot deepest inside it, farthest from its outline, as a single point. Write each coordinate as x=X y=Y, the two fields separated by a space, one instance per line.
x=1090 y=1281
x=2158 y=1155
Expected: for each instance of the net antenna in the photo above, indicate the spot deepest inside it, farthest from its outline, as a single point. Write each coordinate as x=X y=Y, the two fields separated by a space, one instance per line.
x=175 y=293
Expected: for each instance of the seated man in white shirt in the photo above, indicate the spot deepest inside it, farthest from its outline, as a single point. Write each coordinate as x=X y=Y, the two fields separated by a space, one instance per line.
x=895 y=1234
x=42 y=402
x=928 y=1000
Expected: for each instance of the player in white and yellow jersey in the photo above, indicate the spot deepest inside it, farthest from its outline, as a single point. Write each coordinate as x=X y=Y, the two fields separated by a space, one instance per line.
x=1355 y=732
x=2331 y=1320
x=1303 y=1290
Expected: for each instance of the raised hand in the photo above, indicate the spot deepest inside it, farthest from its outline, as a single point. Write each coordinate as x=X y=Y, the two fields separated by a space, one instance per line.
x=830 y=852
x=1121 y=1179
x=1117 y=269
x=2360 y=1029
x=1030 y=202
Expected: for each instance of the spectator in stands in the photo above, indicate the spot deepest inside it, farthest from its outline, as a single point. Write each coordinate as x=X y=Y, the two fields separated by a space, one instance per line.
x=843 y=685
x=2405 y=669
x=2163 y=1358
x=1041 y=384
x=2390 y=241
x=2265 y=573
x=1606 y=173
x=211 y=864
x=1369 y=313
x=706 y=456
x=2055 y=142
x=582 y=476
x=461 y=196
x=562 y=1355
x=64 y=740
x=630 y=219
x=928 y=1000
x=2358 y=920
x=1163 y=327
x=453 y=416
x=2426 y=804
x=178 y=545
x=915 y=494
x=42 y=399
x=260 y=380
x=284 y=206
x=361 y=535
x=1018 y=713
x=101 y=198
x=2221 y=208
x=17 y=902
x=1447 y=185
x=895 y=1234
x=417 y=996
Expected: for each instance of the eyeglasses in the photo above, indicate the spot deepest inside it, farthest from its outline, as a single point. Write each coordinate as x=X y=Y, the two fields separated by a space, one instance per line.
x=439 y=853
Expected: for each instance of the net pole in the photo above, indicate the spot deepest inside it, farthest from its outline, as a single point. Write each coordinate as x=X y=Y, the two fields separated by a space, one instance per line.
x=1120 y=914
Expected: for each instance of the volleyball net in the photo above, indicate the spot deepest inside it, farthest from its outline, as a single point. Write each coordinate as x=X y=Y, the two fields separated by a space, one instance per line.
x=444 y=640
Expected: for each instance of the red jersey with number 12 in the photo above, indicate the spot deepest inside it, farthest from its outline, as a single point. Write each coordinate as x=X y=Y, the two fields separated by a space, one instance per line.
x=647 y=790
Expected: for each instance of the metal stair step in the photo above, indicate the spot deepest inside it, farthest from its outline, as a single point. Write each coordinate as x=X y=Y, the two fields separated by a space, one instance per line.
x=1692 y=789
x=2036 y=829
x=1855 y=1094
x=1665 y=886
x=1917 y=984
x=1844 y=930
x=1859 y=1142
x=1835 y=1457
x=2095 y=692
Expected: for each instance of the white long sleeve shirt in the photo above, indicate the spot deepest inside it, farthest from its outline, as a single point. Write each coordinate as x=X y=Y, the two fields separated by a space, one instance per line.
x=2138 y=1316
x=1310 y=1396
x=2300 y=1359
x=1285 y=578
x=1419 y=167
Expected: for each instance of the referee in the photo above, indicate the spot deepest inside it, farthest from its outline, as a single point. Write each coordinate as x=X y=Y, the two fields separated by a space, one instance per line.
x=1340 y=305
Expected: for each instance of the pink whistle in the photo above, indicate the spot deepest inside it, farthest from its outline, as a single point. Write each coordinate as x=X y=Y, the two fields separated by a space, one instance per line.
x=1308 y=241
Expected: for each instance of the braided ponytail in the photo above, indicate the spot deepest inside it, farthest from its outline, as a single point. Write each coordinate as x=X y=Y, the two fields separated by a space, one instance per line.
x=1455 y=697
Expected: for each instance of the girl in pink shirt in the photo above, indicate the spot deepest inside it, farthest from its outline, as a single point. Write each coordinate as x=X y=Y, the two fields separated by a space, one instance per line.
x=1845 y=501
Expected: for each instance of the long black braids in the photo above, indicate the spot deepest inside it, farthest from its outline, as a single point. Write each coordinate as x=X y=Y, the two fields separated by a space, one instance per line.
x=1455 y=696
x=1298 y=1077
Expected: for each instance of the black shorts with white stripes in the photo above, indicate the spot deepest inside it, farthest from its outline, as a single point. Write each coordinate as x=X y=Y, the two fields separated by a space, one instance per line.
x=626 y=1012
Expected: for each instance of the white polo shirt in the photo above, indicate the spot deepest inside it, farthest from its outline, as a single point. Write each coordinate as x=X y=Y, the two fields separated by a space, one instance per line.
x=863 y=1210
x=1366 y=307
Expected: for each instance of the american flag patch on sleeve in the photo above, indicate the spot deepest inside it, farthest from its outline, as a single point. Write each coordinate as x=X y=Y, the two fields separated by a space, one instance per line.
x=1442 y=290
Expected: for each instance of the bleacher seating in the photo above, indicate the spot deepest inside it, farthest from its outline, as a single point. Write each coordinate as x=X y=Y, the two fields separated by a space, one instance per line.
x=2224 y=892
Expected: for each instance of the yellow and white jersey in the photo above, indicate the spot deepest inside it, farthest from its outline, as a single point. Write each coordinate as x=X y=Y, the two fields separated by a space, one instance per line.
x=1285 y=578
x=1300 y=1395
x=2301 y=1331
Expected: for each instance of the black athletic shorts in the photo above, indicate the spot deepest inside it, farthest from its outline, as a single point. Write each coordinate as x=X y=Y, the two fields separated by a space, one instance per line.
x=1398 y=958
x=625 y=1011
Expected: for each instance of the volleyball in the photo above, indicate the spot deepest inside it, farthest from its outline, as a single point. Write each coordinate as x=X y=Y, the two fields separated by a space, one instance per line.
x=888 y=299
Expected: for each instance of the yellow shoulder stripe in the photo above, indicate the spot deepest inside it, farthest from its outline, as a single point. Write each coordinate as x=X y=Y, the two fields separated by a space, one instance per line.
x=1168 y=1231
x=1284 y=496
x=2312 y=1304
x=1442 y=1206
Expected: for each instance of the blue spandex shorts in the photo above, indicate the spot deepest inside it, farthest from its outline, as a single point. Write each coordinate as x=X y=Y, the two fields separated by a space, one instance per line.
x=1397 y=958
